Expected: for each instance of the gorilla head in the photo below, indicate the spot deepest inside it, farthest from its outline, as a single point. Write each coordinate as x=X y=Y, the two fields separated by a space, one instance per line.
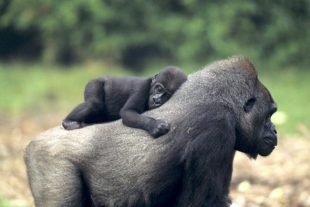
x=239 y=89
x=164 y=85
x=220 y=109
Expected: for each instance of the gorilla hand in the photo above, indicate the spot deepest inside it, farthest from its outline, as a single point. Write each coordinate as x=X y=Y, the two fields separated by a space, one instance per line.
x=158 y=128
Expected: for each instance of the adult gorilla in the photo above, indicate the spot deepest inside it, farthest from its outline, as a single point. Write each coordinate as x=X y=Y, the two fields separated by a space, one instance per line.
x=220 y=109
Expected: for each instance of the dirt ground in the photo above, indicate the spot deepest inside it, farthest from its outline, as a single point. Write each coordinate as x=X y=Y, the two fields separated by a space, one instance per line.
x=279 y=180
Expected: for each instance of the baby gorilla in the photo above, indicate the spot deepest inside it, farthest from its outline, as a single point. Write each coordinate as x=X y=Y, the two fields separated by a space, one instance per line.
x=111 y=98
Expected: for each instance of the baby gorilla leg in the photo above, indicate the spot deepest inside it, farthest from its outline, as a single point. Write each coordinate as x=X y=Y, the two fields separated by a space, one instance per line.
x=70 y=125
x=85 y=114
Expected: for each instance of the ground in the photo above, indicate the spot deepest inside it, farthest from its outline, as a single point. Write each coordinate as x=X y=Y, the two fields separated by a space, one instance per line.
x=279 y=180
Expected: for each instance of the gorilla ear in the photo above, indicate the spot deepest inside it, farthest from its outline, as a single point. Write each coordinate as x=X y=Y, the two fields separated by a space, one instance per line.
x=249 y=104
x=154 y=78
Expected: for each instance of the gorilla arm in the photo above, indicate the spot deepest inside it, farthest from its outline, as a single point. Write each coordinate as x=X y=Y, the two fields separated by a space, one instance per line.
x=199 y=162
x=135 y=105
x=156 y=128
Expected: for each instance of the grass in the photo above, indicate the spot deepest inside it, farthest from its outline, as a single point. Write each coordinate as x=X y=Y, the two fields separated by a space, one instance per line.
x=39 y=88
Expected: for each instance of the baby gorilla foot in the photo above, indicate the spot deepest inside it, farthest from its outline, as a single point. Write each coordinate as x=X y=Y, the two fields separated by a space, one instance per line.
x=70 y=125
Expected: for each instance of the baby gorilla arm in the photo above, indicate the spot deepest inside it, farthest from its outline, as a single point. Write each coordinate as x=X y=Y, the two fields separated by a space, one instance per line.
x=154 y=127
x=159 y=91
x=135 y=105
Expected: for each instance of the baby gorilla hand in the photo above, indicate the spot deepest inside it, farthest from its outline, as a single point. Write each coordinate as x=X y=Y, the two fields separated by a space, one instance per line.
x=159 y=128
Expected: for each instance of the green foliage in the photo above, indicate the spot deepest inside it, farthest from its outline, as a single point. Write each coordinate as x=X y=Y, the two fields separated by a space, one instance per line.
x=187 y=31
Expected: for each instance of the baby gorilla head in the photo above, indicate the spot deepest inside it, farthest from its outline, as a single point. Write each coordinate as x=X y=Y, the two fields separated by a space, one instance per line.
x=164 y=85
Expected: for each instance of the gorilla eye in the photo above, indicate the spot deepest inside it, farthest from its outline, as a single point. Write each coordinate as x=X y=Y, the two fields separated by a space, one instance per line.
x=159 y=89
x=249 y=104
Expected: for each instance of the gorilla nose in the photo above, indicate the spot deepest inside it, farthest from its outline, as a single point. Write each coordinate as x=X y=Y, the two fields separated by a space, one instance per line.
x=273 y=129
x=156 y=101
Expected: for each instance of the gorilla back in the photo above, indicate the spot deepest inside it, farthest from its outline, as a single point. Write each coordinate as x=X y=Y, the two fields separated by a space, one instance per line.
x=226 y=109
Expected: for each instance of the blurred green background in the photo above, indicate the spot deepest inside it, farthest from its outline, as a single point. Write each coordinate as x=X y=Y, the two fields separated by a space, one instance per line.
x=49 y=49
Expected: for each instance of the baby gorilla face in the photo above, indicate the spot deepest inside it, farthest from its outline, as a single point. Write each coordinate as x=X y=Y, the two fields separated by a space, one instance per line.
x=164 y=85
x=158 y=95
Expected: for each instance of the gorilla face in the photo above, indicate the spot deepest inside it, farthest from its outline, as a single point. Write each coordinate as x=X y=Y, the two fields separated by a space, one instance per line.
x=164 y=85
x=158 y=95
x=267 y=144
x=257 y=135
